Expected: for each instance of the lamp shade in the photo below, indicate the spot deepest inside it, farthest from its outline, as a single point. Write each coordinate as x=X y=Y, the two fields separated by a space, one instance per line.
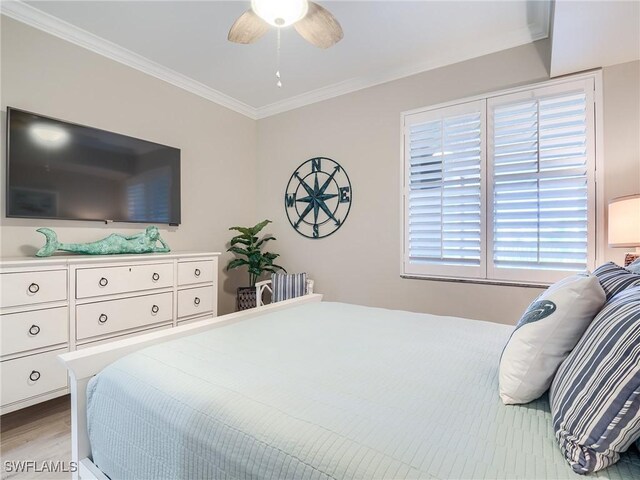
x=624 y=222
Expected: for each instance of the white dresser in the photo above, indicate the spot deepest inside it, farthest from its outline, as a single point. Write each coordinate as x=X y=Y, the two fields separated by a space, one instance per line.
x=61 y=303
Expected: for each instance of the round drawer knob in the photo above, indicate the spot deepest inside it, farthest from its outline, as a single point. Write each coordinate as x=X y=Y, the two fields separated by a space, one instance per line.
x=155 y=309
x=103 y=318
x=34 y=330
x=33 y=288
x=196 y=272
x=155 y=277
x=34 y=376
x=196 y=301
x=103 y=282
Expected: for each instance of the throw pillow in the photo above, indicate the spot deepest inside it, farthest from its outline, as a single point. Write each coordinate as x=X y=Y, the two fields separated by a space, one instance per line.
x=544 y=336
x=595 y=397
x=614 y=278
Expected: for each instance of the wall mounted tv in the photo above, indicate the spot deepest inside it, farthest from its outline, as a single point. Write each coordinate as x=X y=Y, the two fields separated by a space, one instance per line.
x=59 y=170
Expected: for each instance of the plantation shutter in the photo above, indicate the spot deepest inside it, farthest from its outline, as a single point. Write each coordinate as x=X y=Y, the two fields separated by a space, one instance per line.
x=541 y=164
x=443 y=194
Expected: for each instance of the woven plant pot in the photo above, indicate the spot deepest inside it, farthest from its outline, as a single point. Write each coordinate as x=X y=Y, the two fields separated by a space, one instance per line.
x=245 y=298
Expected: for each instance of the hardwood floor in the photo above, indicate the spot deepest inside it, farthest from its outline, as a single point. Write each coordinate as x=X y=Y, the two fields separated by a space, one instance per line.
x=39 y=434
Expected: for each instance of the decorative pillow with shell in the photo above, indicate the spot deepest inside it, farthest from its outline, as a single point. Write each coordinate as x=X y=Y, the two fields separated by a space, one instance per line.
x=545 y=335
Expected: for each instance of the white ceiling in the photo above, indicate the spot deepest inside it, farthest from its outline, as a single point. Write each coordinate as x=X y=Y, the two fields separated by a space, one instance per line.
x=589 y=34
x=184 y=42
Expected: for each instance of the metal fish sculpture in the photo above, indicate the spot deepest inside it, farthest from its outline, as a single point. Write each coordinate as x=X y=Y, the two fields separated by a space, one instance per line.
x=143 y=242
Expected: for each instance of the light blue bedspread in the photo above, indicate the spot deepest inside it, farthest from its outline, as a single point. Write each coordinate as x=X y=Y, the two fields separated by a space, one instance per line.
x=324 y=391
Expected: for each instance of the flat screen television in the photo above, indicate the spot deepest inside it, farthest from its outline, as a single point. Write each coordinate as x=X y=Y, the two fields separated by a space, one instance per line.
x=60 y=170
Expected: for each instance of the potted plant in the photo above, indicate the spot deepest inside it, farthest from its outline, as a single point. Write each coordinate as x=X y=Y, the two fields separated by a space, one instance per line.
x=247 y=247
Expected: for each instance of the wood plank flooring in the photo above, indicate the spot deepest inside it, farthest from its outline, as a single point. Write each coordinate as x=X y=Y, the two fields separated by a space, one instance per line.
x=41 y=433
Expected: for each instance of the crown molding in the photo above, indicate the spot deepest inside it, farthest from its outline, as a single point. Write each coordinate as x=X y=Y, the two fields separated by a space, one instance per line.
x=33 y=17
x=537 y=29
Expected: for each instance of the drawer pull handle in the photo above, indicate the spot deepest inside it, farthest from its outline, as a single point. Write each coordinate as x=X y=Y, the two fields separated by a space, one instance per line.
x=103 y=318
x=34 y=376
x=103 y=282
x=34 y=330
x=196 y=301
x=155 y=277
x=33 y=288
x=155 y=309
x=196 y=272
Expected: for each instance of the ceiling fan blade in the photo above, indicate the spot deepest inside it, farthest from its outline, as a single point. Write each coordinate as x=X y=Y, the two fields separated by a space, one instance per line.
x=319 y=27
x=248 y=28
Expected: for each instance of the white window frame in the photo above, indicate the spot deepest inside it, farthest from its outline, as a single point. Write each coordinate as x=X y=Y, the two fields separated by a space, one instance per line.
x=488 y=273
x=455 y=271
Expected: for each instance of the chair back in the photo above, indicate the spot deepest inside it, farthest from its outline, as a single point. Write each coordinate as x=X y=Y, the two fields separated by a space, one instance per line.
x=288 y=285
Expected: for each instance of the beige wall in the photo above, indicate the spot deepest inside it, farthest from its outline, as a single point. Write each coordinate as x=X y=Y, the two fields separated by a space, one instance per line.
x=234 y=170
x=361 y=262
x=621 y=136
x=44 y=74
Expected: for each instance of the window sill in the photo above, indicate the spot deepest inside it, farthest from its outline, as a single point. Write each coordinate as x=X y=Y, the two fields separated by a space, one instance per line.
x=502 y=283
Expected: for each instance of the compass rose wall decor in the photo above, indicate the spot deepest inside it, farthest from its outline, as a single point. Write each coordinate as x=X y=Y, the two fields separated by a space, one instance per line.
x=318 y=197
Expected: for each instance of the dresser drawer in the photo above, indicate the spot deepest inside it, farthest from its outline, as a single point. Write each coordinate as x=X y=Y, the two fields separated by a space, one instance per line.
x=195 y=301
x=93 y=282
x=194 y=319
x=25 y=331
x=33 y=375
x=29 y=288
x=123 y=336
x=195 y=272
x=103 y=318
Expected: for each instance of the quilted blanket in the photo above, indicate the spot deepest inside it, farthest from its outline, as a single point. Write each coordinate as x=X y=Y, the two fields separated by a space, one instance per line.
x=324 y=391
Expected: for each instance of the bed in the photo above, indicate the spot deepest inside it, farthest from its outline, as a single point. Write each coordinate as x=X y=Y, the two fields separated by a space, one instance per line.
x=312 y=390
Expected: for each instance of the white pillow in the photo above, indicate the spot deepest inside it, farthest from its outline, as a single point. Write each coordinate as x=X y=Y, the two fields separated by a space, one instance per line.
x=545 y=335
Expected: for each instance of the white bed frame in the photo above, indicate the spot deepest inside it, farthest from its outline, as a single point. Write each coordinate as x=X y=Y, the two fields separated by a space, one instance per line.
x=266 y=285
x=84 y=364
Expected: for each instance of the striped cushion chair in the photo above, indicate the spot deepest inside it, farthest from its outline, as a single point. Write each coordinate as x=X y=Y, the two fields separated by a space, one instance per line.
x=614 y=278
x=283 y=287
x=288 y=285
x=595 y=396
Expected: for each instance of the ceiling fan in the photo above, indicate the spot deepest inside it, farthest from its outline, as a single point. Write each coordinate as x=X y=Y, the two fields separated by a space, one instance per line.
x=314 y=23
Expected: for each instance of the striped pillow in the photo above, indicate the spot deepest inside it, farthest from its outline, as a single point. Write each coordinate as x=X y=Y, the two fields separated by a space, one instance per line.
x=595 y=396
x=286 y=286
x=614 y=278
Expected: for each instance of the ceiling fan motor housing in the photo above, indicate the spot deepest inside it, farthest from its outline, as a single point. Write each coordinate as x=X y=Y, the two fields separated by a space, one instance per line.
x=280 y=13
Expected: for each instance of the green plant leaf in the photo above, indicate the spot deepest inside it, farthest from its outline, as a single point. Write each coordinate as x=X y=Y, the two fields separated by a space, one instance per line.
x=242 y=240
x=265 y=239
x=239 y=251
x=275 y=269
x=244 y=230
x=237 y=262
x=259 y=226
x=255 y=258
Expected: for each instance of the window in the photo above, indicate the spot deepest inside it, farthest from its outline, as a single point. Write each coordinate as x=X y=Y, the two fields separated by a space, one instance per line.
x=502 y=188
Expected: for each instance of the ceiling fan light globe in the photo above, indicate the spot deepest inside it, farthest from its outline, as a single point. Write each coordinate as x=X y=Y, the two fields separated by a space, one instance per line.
x=280 y=13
